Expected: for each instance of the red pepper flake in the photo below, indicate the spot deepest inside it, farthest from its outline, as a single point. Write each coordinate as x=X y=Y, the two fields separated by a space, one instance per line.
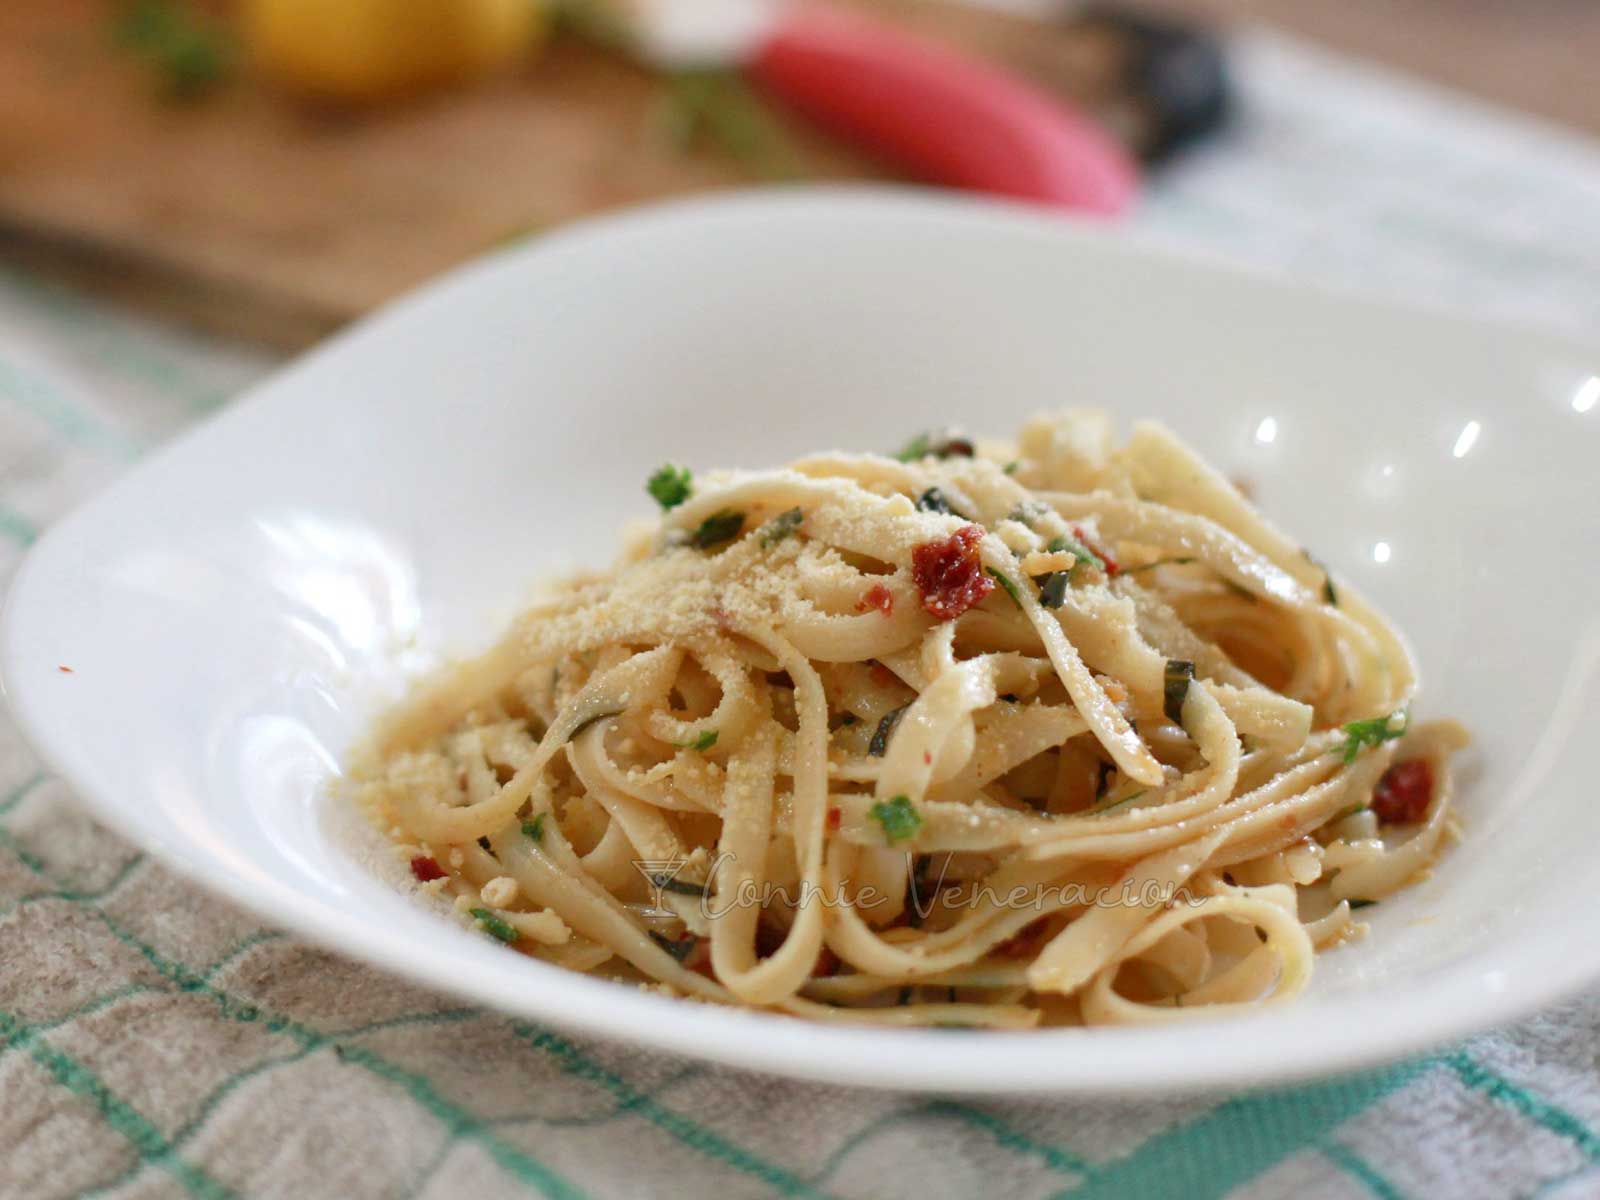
x=1404 y=793
x=877 y=597
x=1094 y=548
x=835 y=819
x=65 y=670
x=927 y=758
x=949 y=574
x=426 y=869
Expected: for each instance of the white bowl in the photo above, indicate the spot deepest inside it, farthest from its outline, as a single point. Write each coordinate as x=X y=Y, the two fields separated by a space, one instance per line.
x=236 y=608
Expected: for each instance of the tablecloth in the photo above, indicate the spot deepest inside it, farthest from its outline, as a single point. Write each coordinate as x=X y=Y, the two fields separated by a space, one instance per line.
x=155 y=1042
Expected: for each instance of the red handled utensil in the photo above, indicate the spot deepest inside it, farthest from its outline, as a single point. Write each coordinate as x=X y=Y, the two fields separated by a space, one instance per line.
x=945 y=116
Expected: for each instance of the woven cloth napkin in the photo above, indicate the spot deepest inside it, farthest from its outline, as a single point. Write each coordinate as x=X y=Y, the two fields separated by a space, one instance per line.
x=155 y=1042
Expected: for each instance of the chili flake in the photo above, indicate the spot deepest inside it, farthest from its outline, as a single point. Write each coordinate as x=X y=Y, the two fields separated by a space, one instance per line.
x=876 y=597
x=426 y=869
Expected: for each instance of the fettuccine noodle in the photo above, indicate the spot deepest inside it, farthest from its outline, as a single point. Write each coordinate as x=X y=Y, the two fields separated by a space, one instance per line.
x=986 y=736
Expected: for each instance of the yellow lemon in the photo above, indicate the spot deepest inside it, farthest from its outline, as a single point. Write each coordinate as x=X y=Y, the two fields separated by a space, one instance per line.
x=366 y=50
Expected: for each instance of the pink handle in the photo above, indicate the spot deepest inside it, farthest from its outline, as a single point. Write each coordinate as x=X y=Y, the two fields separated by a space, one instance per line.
x=948 y=118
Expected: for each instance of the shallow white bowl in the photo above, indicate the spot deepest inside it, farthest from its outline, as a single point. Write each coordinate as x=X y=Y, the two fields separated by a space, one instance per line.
x=237 y=607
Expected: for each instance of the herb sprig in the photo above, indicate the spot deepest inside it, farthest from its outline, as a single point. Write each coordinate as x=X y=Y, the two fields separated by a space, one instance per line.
x=670 y=485
x=495 y=926
x=1372 y=732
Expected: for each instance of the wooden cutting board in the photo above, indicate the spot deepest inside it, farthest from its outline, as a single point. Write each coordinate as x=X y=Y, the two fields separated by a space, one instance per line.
x=248 y=215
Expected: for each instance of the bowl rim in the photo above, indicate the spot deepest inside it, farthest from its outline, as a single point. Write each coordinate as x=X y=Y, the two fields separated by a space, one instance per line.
x=1359 y=1031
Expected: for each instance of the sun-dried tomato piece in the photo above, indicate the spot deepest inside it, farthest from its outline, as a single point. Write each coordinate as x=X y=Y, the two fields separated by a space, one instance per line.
x=949 y=573
x=1404 y=793
x=876 y=597
x=426 y=869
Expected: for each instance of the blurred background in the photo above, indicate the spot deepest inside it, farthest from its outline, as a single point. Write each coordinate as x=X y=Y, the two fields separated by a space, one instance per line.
x=271 y=169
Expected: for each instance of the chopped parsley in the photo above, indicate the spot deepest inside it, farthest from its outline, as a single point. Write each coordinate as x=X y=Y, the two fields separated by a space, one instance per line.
x=702 y=743
x=781 y=526
x=1028 y=512
x=1355 y=904
x=670 y=485
x=1053 y=588
x=935 y=445
x=668 y=881
x=1160 y=562
x=679 y=948
x=719 y=527
x=898 y=816
x=879 y=746
x=1373 y=732
x=494 y=926
x=1175 y=681
x=1329 y=592
x=934 y=500
x=1010 y=587
x=1011 y=467
x=1079 y=551
x=534 y=830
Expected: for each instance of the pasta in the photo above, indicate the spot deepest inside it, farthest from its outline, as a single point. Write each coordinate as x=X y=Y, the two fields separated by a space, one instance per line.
x=993 y=736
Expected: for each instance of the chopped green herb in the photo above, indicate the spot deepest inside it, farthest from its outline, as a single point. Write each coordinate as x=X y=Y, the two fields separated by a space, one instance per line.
x=679 y=948
x=1082 y=553
x=1160 y=562
x=1329 y=592
x=898 y=816
x=671 y=883
x=1175 y=681
x=191 y=55
x=719 y=527
x=1355 y=904
x=670 y=485
x=1028 y=512
x=1010 y=587
x=879 y=746
x=702 y=743
x=591 y=719
x=534 y=830
x=1372 y=732
x=781 y=526
x=917 y=891
x=935 y=445
x=494 y=926
x=1053 y=588
x=1011 y=467
x=933 y=500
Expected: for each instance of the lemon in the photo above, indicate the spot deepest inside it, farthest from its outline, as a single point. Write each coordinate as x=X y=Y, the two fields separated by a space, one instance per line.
x=361 y=51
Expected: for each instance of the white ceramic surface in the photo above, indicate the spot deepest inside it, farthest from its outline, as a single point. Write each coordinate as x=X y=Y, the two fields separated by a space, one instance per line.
x=236 y=607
